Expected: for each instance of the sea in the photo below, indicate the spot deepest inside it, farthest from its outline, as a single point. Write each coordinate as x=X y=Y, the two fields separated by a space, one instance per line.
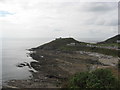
x=14 y=51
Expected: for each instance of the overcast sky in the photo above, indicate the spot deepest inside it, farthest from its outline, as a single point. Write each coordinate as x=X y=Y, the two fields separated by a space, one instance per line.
x=40 y=18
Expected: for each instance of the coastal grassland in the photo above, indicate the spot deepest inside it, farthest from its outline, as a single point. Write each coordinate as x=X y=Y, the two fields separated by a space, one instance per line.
x=109 y=44
x=91 y=49
x=70 y=44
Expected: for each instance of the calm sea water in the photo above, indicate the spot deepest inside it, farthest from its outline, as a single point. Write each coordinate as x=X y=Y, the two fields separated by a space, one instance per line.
x=14 y=52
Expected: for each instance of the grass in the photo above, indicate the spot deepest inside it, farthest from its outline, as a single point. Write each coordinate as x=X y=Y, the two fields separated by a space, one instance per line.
x=62 y=44
x=109 y=44
x=90 y=49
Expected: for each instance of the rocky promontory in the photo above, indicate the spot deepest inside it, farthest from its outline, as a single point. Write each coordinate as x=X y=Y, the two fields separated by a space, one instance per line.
x=58 y=60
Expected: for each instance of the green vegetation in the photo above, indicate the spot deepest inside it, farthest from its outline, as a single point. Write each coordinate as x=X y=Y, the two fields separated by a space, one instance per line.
x=100 y=78
x=70 y=44
x=108 y=45
x=56 y=44
x=112 y=39
x=90 y=49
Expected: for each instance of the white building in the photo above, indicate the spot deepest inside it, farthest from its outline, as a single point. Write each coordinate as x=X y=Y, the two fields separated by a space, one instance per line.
x=71 y=44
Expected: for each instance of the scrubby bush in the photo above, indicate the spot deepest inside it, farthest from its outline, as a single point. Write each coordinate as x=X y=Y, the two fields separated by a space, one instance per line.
x=100 y=78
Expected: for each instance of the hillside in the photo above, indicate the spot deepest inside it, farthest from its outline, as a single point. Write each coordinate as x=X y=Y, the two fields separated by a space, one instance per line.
x=64 y=43
x=70 y=44
x=112 y=39
x=59 y=43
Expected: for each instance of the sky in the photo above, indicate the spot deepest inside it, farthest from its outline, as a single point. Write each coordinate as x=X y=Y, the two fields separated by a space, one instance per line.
x=51 y=18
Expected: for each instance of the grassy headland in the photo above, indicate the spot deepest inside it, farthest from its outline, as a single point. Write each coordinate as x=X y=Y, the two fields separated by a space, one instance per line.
x=62 y=58
x=70 y=44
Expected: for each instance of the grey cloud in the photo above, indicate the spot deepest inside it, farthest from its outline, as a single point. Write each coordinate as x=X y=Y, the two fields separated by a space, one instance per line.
x=2 y=0
x=100 y=7
x=105 y=19
x=112 y=23
x=59 y=19
x=102 y=22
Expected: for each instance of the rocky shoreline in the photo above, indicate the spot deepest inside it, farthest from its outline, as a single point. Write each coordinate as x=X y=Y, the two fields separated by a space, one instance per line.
x=53 y=68
x=55 y=63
